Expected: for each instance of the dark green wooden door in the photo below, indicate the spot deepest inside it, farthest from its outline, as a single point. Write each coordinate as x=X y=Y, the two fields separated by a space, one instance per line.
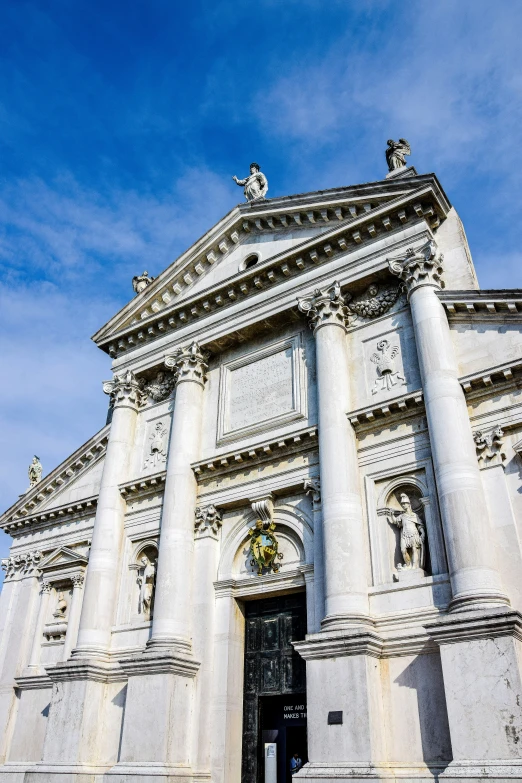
x=272 y=667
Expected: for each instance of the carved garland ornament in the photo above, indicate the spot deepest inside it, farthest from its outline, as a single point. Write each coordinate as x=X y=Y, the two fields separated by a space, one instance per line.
x=328 y=305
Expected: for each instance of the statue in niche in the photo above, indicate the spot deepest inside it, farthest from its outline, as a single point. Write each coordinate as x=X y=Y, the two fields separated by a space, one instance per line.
x=140 y=282
x=396 y=153
x=35 y=472
x=413 y=533
x=256 y=184
x=146 y=581
x=388 y=376
x=61 y=607
x=158 y=447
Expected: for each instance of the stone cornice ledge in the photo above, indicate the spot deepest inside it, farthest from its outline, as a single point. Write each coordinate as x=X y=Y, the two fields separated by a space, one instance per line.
x=31 y=682
x=85 y=669
x=411 y=403
x=164 y=662
x=268 y=583
x=143 y=485
x=365 y=640
x=468 y=626
x=300 y=441
x=461 y=305
x=506 y=374
x=80 y=508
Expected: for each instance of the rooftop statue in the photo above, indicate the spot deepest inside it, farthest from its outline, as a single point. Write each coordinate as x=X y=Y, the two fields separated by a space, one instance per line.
x=140 y=282
x=396 y=153
x=35 y=471
x=256 y=184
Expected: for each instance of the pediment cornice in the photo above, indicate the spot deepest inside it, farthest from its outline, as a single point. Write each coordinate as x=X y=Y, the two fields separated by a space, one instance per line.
x=29 y=507
x=425 y=202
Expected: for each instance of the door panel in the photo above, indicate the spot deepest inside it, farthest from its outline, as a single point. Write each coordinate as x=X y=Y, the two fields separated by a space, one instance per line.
x=272 y=666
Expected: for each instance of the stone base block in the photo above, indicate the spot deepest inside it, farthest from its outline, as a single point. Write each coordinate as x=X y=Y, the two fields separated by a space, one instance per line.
x=473 y=772
x=360 y=773
x=158 y=715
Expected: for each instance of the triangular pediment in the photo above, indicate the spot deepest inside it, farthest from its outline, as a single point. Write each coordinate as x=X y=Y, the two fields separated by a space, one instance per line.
x=68 y=485
x=62 y=557
x=270 y=228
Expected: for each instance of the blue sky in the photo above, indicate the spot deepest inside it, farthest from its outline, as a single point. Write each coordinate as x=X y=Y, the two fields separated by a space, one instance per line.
x=122 y=123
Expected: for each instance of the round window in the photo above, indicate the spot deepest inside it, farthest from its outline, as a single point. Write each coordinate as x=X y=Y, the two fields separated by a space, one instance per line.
x=250 y=261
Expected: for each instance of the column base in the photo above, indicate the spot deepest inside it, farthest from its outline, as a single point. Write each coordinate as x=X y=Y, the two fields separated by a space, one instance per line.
x=341 y=622
x=477 y=602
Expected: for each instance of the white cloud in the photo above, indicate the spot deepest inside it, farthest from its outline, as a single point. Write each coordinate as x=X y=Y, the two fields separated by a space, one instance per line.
x=69 y=255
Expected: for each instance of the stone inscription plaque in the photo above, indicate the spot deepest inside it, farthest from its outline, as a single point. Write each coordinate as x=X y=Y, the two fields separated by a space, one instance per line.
x=261 y=390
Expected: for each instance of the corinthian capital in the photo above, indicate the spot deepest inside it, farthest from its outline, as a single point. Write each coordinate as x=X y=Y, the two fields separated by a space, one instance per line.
x=419 y=267
x=125 y=391
x=190 y=363
x=325 y=306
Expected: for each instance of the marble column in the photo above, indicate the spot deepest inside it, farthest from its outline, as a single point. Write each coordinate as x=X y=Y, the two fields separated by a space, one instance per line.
x=172 y=621
x=161 y=700
x=101 y=584
x=74 y=615
x=345 y=578
x=36 y=649
x=474 y=576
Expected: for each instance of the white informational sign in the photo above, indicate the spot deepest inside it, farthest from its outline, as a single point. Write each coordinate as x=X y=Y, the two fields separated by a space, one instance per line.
x=270 y=762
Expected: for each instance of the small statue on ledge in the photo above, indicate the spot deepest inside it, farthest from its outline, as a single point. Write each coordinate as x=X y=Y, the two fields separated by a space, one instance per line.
x=35 y=472
x=396 y=153
x=413 y=533
x=256 y=184
x=61 y=607
x=140 y=282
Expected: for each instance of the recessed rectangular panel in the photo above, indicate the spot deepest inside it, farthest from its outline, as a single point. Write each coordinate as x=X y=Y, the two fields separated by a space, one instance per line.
x=270 y=673
x=270 y=633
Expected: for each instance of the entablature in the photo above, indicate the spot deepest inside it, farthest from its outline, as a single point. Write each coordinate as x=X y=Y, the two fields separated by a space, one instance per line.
x=482 y=304
x=426 y=203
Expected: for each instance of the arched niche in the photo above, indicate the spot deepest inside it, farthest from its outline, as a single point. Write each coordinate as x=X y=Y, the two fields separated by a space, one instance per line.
x=294 y=533
x=390 y=495
x=143 y=564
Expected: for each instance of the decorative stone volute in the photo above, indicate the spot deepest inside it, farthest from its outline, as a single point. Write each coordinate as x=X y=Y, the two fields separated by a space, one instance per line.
x=208 y=521
x=312 y=487
x=125 y=391
x=490 y=447
x=325 y=306
x=419 y=267
x=263 y=506
x=190 y=363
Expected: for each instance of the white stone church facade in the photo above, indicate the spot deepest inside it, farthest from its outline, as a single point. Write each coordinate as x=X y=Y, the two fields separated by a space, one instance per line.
x=302 y=525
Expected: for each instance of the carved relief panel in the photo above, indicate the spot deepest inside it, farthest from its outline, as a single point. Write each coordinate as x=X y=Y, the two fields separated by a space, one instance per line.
x=261 y=390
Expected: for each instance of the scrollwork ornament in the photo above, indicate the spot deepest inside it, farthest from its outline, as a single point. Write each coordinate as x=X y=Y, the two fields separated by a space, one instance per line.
x=419 y=267
x=125 y=390
x=325 y=306
x=190 y=363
